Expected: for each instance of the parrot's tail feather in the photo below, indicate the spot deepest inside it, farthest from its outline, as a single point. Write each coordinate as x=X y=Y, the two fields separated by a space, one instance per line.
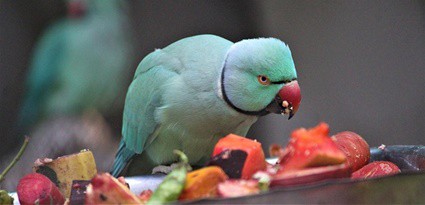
x=122 y=158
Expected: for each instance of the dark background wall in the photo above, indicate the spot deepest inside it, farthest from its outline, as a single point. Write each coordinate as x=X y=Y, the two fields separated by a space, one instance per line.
x=361 y=67
x=361 y=64
x=21 y=23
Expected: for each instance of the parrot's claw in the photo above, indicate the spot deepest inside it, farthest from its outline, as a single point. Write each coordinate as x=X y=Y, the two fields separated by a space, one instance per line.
x=164 y=169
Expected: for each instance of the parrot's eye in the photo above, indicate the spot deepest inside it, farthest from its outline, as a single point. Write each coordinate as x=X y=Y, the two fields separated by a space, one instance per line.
x=264 y=80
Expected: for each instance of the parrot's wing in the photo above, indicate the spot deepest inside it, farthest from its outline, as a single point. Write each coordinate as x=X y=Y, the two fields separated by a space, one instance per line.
x=143 y=99
x=42 y=73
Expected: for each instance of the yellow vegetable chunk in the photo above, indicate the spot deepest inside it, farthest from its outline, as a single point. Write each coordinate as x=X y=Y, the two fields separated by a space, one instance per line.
x=202 y=183
x=79 y=166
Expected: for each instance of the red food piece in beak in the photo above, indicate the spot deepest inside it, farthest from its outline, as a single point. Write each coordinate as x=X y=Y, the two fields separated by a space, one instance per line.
x=291 y=93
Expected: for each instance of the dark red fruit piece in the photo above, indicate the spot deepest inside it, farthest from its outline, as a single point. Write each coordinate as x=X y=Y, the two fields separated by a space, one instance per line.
x=36 y=188
x=355 y=148
x=78 y=191
x=231 y=161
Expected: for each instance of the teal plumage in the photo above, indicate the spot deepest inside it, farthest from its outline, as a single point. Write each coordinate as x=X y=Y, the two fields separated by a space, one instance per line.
x=79 y=63
x=176 y=101
x=43 y=73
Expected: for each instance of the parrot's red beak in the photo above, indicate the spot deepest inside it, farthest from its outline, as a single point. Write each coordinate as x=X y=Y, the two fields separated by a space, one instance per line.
x=286 y=101
x=290 y=95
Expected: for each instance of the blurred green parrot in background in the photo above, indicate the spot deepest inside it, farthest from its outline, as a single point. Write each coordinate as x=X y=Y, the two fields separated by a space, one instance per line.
x=81 y=62
x=197 y=90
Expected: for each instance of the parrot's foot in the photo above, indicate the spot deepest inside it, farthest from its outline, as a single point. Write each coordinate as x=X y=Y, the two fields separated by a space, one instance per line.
x=164 y=169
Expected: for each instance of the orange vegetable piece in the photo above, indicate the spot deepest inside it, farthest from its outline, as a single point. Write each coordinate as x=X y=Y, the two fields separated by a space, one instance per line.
x=203 y=183
x=255 y=160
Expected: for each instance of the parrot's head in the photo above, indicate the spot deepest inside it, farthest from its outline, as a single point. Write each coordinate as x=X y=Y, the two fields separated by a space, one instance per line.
x=76 y=8
x=259 y=77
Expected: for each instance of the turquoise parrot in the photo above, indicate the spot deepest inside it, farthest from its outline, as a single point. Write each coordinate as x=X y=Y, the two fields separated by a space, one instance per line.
x=197 y=90
x=80 y=63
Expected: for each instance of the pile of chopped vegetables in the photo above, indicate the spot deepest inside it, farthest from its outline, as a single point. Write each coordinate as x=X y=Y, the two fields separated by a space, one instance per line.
x=237 y=167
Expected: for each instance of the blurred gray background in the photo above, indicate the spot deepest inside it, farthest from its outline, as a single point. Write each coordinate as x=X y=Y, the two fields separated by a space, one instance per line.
x=361 y=64
x=361 y=67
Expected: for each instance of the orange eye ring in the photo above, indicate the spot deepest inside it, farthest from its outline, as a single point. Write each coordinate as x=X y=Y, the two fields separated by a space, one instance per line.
x=263 y=80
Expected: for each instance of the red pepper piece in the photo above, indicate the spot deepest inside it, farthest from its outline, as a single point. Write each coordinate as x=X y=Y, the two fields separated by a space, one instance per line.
x=311 y=148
